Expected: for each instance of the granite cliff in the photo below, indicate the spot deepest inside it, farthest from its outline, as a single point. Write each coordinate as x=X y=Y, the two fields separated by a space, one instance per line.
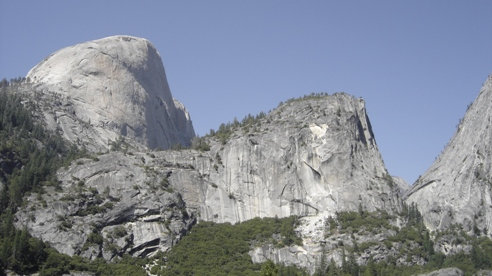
x=97 y=91
x=457 y=188
x=106 y=206
x=314 y=157
x=311 y=157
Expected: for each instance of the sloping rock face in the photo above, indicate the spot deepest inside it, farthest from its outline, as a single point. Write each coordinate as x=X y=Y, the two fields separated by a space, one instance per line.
x=97 y=91
x=108 y=206
x=450 y=271
x=457 y=187
x=311 y=156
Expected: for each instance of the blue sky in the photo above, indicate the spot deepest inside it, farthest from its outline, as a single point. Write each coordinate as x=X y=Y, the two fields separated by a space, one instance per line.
x=417 y=64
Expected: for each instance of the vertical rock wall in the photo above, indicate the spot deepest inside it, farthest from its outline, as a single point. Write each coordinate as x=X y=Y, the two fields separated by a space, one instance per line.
x=98 y=91
x=457 y=188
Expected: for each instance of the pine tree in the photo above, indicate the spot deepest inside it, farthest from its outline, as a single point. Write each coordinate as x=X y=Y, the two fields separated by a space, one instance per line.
x=269 y=269
x=333 y=269
x=353 y=265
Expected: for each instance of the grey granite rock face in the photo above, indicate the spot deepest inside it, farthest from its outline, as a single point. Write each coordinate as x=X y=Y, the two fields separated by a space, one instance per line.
x=107 y=206
x=450 y=271
x=311 y=157
x=457 y=188
x=97 y=91
x=321 y=244
x=307 y=157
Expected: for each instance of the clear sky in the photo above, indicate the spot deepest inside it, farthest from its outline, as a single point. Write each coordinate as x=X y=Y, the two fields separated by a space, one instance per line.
x=417 y=63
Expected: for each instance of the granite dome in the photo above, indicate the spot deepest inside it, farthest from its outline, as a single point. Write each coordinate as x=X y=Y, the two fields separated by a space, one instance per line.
x=115 y=86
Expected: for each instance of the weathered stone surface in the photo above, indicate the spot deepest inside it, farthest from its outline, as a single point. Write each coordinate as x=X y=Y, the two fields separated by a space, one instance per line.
x=307 y=157
x=457 y=188
x=308 y=256
x=451 y=244
x=311 y=157
x=450 y=271
x=127 y=204
x=401 y=184
x=321 y=244
x=97 y=91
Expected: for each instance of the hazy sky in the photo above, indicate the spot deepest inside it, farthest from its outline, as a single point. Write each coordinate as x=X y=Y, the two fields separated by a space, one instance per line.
x=417 y=63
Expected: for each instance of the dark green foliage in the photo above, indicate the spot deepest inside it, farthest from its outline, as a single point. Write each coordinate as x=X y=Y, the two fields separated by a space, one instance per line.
x=222 y=249
x=29 y=158
x=22 y=253
x=479 y=258
x=481 y=254
x=95 y=238
x=200 y=143
x=225 y=130
x=269 y=269
x=58 y=264
x=30 y=155
x=415 y=241
x=93 y=208
x=26 y=254
x=119 y=232
x=312 y=96
x=362 y=221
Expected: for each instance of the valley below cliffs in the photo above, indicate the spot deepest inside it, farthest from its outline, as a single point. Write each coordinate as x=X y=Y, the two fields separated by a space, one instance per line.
x=307 y=179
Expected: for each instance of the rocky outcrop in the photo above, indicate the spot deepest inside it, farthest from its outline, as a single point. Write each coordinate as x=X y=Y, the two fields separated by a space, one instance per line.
x=309 y=156
x=326 y=239
x=484 y=273
x=312 y=157
x=107 y=206
x=450 y=271
x=97 y=91
x=457 y=188
x=316 y=244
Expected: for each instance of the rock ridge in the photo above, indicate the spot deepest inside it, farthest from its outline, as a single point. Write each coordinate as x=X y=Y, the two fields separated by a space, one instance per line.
x=309 y=156
x=109 y=88
x=457 y=188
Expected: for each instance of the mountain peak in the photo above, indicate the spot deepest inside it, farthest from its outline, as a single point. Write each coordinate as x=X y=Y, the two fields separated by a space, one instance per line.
x=115 y=86
x=457 y=187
